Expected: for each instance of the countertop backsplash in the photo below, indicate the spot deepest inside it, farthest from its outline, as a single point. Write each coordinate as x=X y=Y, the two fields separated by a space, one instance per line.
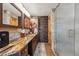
x=13 y=33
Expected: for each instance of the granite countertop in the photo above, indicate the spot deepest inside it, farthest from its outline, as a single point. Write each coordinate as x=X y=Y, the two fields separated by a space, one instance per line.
x=16 y=46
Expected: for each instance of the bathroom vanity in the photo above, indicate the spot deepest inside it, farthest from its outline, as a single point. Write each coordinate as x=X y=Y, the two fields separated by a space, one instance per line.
x=20 y=47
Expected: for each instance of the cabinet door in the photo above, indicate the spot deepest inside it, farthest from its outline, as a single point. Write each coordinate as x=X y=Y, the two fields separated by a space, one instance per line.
x=32 y=46
x=24 y=51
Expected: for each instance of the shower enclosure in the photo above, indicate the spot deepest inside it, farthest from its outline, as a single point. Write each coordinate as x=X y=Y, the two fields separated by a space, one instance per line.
x=66 y=29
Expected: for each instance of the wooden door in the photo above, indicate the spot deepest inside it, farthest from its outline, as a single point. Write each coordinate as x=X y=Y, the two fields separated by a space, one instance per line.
x=43 y=28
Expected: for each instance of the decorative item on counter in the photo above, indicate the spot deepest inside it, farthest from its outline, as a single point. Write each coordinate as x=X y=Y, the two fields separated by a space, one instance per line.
x=23 y=33
x=34 y=26
x=27 y=31
x=35 y=30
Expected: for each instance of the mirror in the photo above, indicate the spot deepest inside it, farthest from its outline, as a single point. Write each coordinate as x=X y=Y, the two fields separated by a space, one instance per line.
x=10 y=14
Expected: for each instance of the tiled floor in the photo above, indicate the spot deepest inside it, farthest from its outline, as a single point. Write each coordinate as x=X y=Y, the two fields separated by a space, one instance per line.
x=40 y=50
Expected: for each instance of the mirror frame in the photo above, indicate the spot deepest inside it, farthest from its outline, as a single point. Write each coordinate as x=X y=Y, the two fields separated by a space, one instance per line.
x=6 y=25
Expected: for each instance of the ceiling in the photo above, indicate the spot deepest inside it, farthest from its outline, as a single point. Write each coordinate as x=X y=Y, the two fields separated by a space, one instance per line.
x=39 y=9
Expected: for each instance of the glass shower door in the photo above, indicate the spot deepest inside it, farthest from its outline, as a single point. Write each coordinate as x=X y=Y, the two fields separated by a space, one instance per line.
x=64 y=30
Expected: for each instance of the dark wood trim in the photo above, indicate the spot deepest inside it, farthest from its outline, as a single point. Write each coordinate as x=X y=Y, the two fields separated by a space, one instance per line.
x=22 y=20
x=1 y=8
x=4 y=25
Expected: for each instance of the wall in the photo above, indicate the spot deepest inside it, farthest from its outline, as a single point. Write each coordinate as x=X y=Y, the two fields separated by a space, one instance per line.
x=13 y=32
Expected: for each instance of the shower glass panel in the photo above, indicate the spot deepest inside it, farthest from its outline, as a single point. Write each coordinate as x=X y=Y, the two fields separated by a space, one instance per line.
x=77 y=29
x=64 y=30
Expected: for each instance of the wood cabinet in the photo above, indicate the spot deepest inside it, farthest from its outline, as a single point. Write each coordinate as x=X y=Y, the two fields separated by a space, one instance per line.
x=32 y=45
x=24 y=51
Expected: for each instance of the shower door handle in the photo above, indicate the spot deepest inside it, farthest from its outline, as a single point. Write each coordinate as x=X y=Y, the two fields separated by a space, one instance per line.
x=71 y=33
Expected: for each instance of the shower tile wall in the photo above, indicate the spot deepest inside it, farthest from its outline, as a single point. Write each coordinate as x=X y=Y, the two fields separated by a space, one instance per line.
x=64 y=29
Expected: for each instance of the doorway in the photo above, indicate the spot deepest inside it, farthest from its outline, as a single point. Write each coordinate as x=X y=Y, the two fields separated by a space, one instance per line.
x=43 y=28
